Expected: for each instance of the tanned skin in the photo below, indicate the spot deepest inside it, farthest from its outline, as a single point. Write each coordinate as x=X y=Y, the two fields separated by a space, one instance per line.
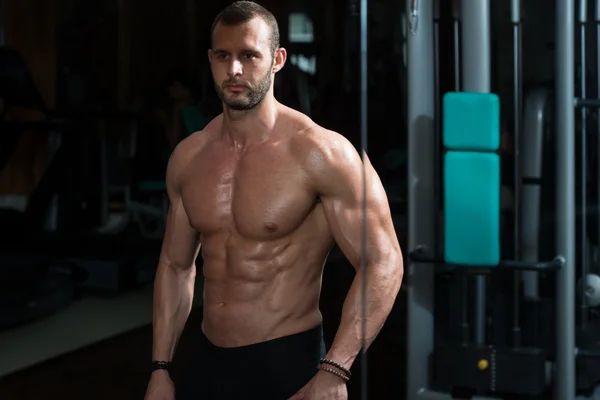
x=267 y=193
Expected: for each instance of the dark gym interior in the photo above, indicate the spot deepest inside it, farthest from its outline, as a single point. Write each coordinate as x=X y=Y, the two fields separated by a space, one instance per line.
x=87 y=115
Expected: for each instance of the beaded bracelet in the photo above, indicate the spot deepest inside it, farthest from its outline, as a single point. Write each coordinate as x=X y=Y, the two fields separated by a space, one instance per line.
x=338 y=366
x=334 y=372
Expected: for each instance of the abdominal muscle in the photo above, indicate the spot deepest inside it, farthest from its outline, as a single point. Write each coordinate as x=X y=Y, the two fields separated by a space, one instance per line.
x=257 y=291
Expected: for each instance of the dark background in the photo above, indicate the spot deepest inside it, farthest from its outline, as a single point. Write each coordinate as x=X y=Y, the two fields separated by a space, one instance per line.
x=98 y=67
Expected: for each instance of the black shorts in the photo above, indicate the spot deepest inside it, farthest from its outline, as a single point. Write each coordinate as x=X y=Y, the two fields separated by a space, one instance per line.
x=271 y=370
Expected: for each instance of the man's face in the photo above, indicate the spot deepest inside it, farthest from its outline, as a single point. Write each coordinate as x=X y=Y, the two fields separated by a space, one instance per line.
x=242 y=64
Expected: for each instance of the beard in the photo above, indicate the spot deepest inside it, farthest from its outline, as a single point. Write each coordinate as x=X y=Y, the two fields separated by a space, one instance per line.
x=246 y=100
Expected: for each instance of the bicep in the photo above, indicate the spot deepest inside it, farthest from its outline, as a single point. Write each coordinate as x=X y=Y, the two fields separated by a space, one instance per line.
x=181 y=241
x=348 y=213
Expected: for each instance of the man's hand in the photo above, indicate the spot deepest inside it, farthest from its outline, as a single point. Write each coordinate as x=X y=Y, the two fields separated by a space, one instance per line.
x=324 y=386
x=161 y=387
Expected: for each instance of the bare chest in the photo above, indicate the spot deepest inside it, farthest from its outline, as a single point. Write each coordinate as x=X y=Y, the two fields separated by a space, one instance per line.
x=261 y=195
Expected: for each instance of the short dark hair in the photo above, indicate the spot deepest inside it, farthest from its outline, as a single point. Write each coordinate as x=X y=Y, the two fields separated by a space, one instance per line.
x=241 y=12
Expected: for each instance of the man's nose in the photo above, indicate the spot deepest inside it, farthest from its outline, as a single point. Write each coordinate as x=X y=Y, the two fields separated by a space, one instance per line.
x=235 y=67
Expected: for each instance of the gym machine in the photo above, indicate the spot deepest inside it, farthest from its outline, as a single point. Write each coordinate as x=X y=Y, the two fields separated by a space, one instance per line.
x=65 y=212
x=476 y=358
x=18 y=90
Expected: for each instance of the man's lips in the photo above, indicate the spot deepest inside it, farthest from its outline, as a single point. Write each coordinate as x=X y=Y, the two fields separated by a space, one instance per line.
x=236 y=88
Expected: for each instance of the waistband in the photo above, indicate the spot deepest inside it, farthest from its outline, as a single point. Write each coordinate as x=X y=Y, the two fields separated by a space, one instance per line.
x=309 y=341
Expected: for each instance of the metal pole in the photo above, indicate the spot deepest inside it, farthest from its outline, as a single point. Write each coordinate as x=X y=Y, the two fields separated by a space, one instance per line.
x=456 y=26
x=597 y=12
x=518 y=104
x=422 y=211
x=476 y=45
x=364 y=100
x=464 y=279
x=476 y=77
x=583 y=111
x=565 y=199
x=437 y=94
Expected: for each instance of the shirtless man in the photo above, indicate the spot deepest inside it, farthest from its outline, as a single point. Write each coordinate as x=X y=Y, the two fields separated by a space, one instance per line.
x=265 y=193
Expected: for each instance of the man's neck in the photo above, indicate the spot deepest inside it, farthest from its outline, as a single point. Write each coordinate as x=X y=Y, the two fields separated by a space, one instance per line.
x=249 y=127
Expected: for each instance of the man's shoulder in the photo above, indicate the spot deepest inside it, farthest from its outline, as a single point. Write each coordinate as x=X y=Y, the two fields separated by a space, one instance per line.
x=190 y=146
x=322 y=153
x=315 y=141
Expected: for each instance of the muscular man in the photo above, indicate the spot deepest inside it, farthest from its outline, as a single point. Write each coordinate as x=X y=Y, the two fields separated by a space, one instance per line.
x=265 y=192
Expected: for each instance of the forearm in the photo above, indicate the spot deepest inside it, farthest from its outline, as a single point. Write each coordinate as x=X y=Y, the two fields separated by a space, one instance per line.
x=383 y=285
x=173 y=296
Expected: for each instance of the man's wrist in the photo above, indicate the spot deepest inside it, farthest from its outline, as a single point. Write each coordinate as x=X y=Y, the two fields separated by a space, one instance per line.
x=334 y=368
x=340 y=358
x=334 y=373
x=329 y=363
x=160 y=374
x=159 y=365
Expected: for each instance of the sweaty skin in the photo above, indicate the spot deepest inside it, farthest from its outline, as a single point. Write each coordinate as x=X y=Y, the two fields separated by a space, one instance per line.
x=268 y=215
x=264 y=232
x=264 y=193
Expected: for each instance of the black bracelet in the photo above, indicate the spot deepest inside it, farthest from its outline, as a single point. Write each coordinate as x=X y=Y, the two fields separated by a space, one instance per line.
x=338 y=366
x=157 y=365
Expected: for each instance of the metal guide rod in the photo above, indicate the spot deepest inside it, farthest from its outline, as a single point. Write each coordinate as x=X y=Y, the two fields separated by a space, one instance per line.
x=476 y=77
x=518 y=118
x=597 y=19
x=437 y=133
x=565 y=199
x=456 y=27
x=582 y=89
x=422 y=210
x=364 y=76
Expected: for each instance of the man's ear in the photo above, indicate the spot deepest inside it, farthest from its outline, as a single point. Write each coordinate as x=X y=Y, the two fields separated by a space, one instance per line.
x=279 y=59
x=209 y=55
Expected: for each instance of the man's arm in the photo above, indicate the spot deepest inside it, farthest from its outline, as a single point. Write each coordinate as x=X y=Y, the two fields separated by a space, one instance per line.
x=338 y=175
x=176 y=272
